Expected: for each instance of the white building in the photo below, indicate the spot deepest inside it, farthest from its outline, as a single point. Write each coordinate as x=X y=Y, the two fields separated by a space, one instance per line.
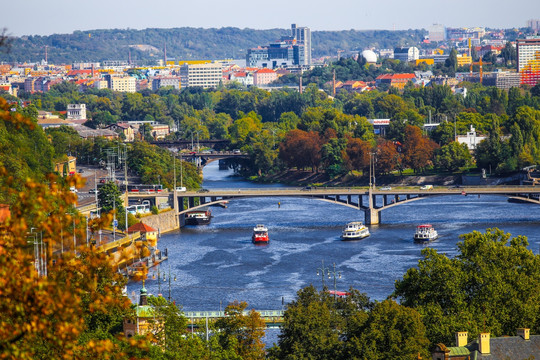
x=406 y=54
x=207 y=75
x=471 y=139
x=76 y=111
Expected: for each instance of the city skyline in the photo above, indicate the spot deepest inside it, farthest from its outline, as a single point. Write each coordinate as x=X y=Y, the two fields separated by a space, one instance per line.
x=61 y=17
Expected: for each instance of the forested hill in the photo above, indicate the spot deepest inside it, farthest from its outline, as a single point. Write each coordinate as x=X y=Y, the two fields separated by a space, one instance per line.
x=189 y=43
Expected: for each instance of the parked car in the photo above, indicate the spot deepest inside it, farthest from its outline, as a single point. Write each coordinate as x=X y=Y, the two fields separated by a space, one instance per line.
x=386 y=188
x=203 y=190
x=426 y=187
x=236 y=151
x=180 y=188
x=307 y=188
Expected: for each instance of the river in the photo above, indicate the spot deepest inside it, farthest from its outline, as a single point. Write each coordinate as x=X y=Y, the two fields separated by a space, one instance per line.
x=217 y=263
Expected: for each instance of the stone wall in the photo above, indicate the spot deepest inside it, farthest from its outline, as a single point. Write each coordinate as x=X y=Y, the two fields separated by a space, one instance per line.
x=163 y=222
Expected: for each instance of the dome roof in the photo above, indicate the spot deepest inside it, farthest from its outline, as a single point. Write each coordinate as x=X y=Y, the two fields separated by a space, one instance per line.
x=370 y=56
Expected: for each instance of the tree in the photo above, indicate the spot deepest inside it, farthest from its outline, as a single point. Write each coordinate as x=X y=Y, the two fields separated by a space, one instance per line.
x=417 y=149
x=309 y=328
x=109 y=197
x=391 y=331
x=453 y=156
x=240 y=332
x=54 y=305
x=301 y=149
x=388 y=158
x=492 y=284
x=332 y=154
x=357 y=154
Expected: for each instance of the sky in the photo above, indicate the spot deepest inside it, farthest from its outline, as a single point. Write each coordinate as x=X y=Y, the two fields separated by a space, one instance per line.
x=38 y=17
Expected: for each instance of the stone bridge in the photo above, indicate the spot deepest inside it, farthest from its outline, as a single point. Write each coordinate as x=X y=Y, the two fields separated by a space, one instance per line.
x=371 y=201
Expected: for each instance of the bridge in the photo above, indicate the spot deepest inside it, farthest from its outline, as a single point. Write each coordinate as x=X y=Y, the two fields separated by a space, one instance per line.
x=370 y=201
x=190 y=144
x=272 y=318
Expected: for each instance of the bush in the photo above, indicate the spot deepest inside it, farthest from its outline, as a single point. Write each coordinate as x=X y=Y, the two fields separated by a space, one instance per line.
x=155 y=210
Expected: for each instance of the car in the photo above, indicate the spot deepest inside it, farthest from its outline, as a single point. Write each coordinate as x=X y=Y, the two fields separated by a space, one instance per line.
x=236 y=151
x=93 y=191
x=203 y=190
x=81 y=171
x=426 y=187
x=73 y=189
x=307 y=188
x=386 y=188
x=180 y=188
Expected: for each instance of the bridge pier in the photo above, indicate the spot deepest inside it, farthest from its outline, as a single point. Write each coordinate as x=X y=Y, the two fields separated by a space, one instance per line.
x=372 y=216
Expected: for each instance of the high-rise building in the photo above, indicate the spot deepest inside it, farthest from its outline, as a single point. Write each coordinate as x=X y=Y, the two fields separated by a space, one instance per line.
x=303 y=37
x=534 y=24
x=437 y=32
x=528 y=59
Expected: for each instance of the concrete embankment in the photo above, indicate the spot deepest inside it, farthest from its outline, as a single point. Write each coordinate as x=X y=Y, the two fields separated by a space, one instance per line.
x=162 y=222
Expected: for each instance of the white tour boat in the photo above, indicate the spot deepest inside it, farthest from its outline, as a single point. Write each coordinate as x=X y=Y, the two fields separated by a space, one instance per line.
x=355 y=230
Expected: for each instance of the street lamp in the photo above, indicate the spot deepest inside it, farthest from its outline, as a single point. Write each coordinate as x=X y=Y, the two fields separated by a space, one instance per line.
x=335 y=278
x=321 y=271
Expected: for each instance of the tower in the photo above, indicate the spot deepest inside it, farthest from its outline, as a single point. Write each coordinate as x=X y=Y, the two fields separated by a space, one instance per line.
x=303 y=37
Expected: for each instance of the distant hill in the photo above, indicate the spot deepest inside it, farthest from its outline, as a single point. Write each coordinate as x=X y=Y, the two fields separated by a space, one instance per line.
x=189 y=43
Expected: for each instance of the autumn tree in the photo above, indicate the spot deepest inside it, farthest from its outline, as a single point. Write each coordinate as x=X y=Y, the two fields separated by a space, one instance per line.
x=357 y=154
x=417 y=149
x=54 y=304
x=388 y=158
x=301 y=149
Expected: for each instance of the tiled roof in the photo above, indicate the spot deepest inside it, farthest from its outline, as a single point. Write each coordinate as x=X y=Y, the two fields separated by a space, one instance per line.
x=142 y=227
x=265 y=71
x=509 y=347
x=395 y=76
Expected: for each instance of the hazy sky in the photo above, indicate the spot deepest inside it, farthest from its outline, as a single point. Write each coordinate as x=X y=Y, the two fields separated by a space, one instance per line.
x=39 y=17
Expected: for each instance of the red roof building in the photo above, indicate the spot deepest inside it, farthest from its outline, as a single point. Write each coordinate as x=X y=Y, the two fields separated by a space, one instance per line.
x=395 y=80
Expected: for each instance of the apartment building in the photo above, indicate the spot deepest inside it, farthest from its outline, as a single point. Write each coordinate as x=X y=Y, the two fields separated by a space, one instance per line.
x=528 y=59
x=205 y=75
x=122 y=83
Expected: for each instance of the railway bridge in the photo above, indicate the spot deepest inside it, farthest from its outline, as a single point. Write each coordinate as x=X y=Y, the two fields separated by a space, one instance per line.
x=369 y=200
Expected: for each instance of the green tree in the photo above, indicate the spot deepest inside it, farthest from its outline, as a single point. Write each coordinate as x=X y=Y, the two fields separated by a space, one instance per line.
x=492 y=284
x=453 y=156
x=241 y=332
x=392 y=331
x=309 y=328
x=109 y=198
x=332 y=156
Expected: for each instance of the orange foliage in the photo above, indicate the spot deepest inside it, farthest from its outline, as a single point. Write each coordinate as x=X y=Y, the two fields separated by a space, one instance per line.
x=43 y=315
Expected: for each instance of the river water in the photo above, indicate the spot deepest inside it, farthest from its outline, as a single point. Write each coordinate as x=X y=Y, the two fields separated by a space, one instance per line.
x=216 y=264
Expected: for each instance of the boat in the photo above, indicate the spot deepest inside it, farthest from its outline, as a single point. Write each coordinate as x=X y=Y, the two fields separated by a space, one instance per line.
x=354 y=231
x=199 y=217
x=260 y=235
x=425 y=232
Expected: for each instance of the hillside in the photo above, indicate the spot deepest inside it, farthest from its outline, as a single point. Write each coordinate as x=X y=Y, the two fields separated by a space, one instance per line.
x=188 y=43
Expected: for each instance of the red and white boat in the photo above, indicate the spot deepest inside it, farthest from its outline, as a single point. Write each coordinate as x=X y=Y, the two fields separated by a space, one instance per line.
x=425 y=233
x=260 y=235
